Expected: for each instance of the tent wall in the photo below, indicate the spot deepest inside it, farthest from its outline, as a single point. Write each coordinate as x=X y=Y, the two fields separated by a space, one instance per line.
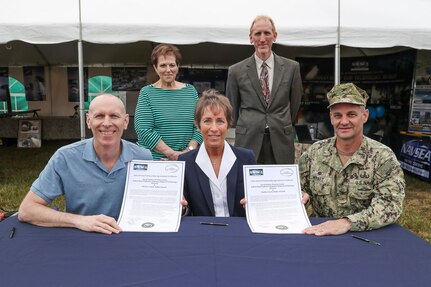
x=121 y=33
x=56 y=102
x=101 y=57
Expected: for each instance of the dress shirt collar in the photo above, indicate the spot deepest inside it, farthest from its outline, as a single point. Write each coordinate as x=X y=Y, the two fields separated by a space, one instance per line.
x=204 y=162
x=269 y=62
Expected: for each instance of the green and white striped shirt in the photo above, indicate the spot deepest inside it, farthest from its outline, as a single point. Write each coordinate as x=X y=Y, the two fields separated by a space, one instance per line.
x=166 y=115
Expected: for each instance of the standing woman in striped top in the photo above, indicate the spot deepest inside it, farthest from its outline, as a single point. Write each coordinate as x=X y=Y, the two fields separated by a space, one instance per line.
x=165 y=110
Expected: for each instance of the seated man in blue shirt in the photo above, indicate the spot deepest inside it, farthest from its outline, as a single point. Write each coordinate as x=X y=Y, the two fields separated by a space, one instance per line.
x=91 y=174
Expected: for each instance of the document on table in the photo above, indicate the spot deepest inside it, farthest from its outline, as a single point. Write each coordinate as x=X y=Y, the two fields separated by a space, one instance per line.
x=152 y=196
x=273 y=194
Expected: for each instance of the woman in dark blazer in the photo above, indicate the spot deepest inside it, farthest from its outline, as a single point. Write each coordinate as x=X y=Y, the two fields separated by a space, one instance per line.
x=214 y=184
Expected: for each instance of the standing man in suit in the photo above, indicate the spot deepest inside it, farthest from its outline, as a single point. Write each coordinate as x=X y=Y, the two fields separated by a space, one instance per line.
x=265 y=91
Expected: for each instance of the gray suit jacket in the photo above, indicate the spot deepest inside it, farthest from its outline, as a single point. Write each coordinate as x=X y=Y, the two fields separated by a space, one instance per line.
x=249 y=112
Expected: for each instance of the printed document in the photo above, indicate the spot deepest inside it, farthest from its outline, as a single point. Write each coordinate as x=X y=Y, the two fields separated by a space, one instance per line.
x=152 y=196
x=273 y=194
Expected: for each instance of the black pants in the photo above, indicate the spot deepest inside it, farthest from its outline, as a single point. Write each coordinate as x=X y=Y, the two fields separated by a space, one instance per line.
x=266 y=155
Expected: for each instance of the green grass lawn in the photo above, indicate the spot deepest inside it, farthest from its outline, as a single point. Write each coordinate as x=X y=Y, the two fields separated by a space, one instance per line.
x=20 y=167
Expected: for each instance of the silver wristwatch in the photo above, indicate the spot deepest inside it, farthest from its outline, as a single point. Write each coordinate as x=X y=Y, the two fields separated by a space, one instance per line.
x=190 y=148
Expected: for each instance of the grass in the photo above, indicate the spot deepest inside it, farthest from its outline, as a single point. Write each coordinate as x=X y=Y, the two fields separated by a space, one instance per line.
x=417 y=212
x=20 y=167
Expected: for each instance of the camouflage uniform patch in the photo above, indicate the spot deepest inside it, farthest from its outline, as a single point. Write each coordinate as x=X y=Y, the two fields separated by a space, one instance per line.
x=369 y=189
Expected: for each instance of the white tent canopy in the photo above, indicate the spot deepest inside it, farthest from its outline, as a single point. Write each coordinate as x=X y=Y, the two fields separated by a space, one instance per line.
x=385 y=23
x=365 y=24
x=299 y=23
x=39 y=22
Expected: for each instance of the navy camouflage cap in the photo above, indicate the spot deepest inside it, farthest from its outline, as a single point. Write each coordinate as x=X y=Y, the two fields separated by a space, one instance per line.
x=347 y=93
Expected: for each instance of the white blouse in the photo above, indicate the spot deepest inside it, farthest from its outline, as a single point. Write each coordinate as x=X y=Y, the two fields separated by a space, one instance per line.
x=218 y=184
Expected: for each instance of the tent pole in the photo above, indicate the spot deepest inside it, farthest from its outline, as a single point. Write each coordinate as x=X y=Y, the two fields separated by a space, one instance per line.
x=81 y=79
x=81 y=91
x=337 y=51
x=337 y=65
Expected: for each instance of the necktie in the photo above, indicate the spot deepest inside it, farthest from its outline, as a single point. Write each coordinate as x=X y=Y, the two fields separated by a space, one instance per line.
x=264 y=82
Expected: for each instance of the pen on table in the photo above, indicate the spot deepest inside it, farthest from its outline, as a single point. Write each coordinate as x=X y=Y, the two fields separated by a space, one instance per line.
x=366 y=239
x=215 y=223
x=12 y=232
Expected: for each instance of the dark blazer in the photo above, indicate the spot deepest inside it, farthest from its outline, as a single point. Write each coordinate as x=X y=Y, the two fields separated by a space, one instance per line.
x=197 y=187
x=251 y=115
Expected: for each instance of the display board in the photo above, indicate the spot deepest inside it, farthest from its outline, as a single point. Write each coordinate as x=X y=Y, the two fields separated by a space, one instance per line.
x=29 y=133
x=386 y=78
x=128 y=78
x=73 y=84
x=4 y=83
x=34 y=83
x=204 y=79
x=420 y=108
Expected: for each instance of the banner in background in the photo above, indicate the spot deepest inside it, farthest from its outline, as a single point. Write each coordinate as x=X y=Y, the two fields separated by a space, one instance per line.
x=415 y=157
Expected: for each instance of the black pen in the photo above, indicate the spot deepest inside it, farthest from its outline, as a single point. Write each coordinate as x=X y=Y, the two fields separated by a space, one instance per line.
x=215 y=223
x=366 y=240
x=12 y=232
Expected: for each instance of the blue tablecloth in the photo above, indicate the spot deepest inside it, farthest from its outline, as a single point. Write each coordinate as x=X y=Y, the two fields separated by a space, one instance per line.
x=202 y=255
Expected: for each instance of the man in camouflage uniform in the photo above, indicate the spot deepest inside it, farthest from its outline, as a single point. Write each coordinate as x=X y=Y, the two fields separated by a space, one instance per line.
x=351 y=177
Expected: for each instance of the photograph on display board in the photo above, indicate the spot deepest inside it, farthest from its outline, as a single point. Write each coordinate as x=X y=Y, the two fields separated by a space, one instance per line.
x=34 y=83
x=423 y=70
x=128 y=78
x=73 y=84
x=420 y=109
x=4 y=83
x=29 y=133
x=203 y=79
x=420 y=118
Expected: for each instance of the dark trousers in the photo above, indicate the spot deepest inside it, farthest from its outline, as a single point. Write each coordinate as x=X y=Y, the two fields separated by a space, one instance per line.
x=266 y=155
